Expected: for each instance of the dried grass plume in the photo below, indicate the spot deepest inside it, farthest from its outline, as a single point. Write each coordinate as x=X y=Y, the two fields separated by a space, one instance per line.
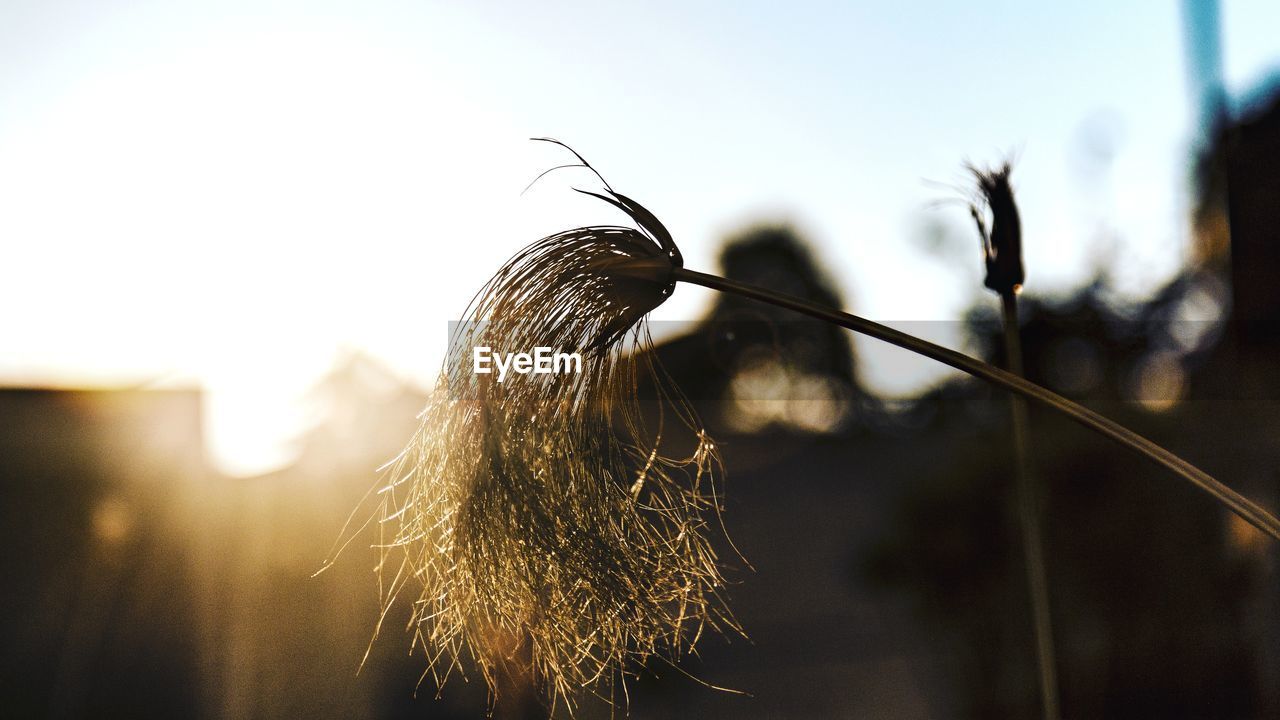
x=536 y=526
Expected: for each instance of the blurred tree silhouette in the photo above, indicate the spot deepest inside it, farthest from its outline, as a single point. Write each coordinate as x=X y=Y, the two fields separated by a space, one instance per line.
x=756 y=367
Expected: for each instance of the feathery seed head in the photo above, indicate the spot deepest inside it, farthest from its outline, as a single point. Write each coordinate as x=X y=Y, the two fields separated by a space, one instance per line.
x=539 y=528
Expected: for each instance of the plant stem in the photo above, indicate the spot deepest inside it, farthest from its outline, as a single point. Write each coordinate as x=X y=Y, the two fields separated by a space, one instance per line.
x=1029 y=514
x=1248 y=510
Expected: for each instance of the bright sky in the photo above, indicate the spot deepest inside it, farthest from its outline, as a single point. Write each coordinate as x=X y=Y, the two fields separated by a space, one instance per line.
x=231 y=194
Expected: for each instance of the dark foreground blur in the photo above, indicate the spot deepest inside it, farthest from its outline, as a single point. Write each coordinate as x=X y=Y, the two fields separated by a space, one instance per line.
x=887 y=577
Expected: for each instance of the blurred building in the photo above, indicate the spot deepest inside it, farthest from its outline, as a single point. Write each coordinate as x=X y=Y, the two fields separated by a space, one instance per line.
x=139 y=582
x=101 y=574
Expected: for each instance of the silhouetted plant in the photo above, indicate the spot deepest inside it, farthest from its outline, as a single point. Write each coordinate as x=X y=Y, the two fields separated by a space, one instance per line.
x=1002 y=254
x=538 y=527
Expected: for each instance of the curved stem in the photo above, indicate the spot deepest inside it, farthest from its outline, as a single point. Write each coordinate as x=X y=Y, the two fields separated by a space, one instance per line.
x=1248 y=510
